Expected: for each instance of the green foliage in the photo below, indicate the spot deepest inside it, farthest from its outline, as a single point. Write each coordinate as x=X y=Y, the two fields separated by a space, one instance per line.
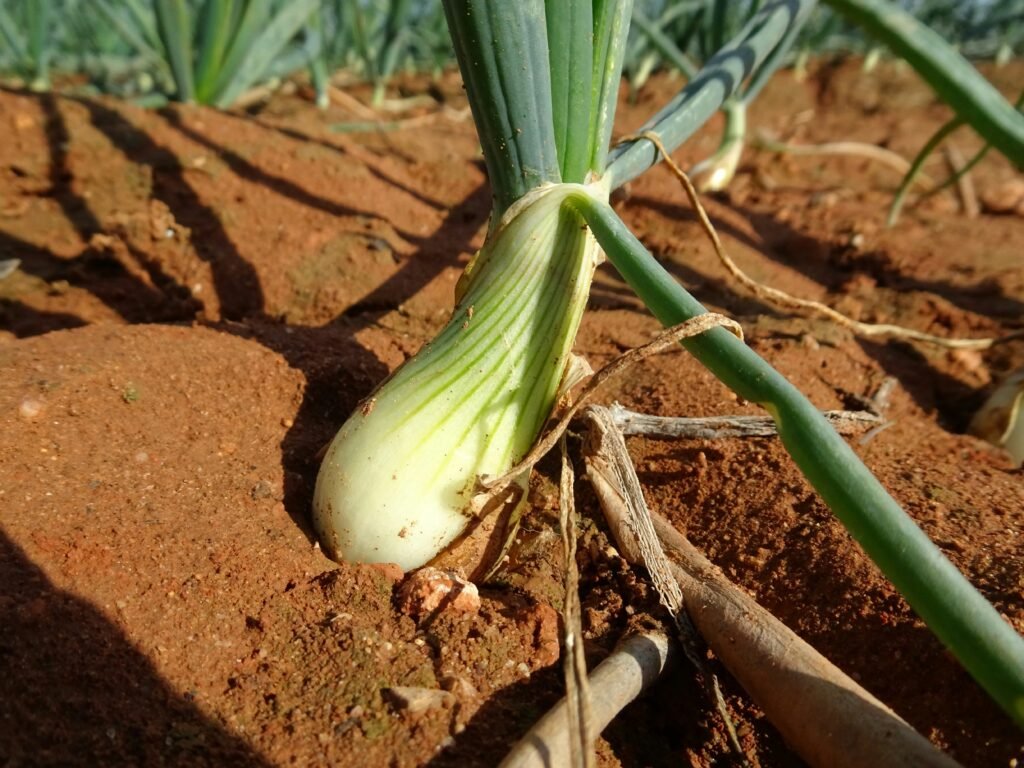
x=973 y=98
x=216 y=49
x=679 y=35
x=25 y=31
x=376 y=38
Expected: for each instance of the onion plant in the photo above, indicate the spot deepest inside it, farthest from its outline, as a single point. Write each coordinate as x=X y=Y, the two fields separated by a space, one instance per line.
x=373 y=39
x=214 y=49
x=677 y=34
x=25 y=28
x=397 y=482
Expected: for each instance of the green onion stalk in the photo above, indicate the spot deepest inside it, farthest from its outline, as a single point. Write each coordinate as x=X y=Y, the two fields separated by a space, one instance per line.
x=397 y=482
x=716 y=172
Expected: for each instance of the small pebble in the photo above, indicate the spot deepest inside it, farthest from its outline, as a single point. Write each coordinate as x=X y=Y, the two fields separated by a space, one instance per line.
x=30 y=408
x=460 y=686
x=8 y=267
x=262 y=490
x=415 y=700
x=1007 y=197
x=430 y=589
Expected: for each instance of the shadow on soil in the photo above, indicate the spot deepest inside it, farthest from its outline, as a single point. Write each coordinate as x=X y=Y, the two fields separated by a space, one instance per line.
x=235 y=280
x=931 y=389
x=100 y=268
x=832 y=264
x=934 y=391
x=72 y=684
x=338 y=369
x=673 y=712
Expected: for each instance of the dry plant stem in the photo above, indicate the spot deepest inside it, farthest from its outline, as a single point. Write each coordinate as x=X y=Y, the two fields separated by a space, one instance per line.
x=489 y=487
x=964 y=182
x=574 y=662
x=632 y=667
x=783 y=299
x=824 y=716
x=718 y=427
x=351 y=103
x=856 y=148
x=611 y=472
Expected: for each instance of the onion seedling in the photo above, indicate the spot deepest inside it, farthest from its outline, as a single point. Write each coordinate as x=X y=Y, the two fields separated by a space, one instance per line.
x=214 y=49
x=397 y=482
x=30 y=49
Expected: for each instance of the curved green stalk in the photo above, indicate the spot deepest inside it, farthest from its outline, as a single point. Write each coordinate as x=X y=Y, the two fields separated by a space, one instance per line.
x=771 y=64
x=950 y=74
x=970 y=164
x=969 y=626
x=915 y=168
x=704 y=94
x=716 y=172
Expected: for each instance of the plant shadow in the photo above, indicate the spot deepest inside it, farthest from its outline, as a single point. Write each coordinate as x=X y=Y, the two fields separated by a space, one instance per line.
x=73 y=685
x=336 y=380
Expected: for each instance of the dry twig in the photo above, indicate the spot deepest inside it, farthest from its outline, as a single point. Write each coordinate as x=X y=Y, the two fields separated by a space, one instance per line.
x=964 y=182
x=717 y=427
x=574 y=663
x=848 y=148
x=609 y=473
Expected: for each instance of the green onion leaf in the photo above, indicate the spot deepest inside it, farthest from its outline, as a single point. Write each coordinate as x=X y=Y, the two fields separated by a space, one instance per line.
x=175 y=25
x=502 y=50
x=950 y=74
